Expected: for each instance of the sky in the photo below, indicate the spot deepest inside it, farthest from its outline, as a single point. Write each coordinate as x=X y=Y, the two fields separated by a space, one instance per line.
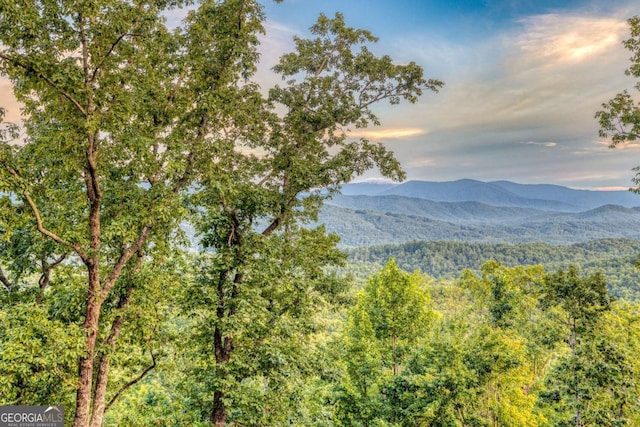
x=523 y=80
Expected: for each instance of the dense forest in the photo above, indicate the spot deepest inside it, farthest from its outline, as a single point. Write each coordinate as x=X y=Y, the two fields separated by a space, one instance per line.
x=614 y=258
x=132 y=128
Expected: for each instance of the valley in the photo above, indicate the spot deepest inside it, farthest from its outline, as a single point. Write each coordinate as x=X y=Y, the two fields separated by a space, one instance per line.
x=544 y=225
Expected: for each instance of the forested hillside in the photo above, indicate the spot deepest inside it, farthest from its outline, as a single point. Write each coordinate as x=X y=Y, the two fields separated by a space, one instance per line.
x=367 y=214
x=615 y=258
x=472 y=222
x=504 y=347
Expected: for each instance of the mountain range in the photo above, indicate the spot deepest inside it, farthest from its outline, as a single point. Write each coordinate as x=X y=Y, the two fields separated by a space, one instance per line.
x=467 y=210
x=498 y=193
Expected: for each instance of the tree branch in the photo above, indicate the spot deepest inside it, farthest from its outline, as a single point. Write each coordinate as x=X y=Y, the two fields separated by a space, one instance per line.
x=106 y=55
x=50 y=82
x=124 y=259
x=3 y=279
x=40 y=226
x=132 y=382
x=44 y=280
x=48 y=233
x=272 y=227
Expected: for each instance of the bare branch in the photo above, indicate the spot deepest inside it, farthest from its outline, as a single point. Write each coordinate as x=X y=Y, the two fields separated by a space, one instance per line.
x=45 y=277
x=265 y=179
x=134 y=26
x=272 y=227
x=106 y=55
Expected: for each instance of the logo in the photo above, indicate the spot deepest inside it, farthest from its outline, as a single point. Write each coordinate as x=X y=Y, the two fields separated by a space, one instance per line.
x=31 y=416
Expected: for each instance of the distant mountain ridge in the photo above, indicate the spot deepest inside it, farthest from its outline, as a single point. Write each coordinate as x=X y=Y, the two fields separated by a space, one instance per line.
x=499 y=193
x=368 y=214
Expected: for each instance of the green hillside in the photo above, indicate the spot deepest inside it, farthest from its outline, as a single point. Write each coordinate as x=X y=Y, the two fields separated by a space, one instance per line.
x=362 y=227
x=447 y=259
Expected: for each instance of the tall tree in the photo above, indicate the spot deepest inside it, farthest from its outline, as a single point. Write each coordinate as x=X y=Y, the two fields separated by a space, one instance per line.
x=392 y=315
x=331 y=83
x=583 y=301
x=620 y=118
x=400 y=311
x=121 y=115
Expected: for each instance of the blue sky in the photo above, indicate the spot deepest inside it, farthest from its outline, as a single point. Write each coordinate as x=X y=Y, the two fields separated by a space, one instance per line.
x=523 y=79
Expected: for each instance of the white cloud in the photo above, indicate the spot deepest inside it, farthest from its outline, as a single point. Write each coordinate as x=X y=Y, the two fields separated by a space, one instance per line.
x=390 y=133
x=543 y=144
x=421 y=162
x=277 y=41
x=609 y=188
x=552 y=40
x=536 y=84
x=375 y=180
x=552 y=69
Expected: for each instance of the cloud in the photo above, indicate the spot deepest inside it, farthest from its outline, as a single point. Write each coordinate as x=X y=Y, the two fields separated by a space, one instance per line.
x=549 y=70
x=375 y=180
x=391 y=133
x=544 y=144
x=421 y=162
x=538 y=83
x=277 y=40
x=626 y=145
x=551 y=40
x=609 y=188
x=175 y=16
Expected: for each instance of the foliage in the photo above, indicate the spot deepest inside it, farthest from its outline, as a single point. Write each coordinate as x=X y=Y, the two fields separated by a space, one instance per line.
x=391 y=315
x=132 y=128
x=120 y=116
x=615 y=258
x=592 y=382
x=510 y=346
x=37 y=357
x=620 y=118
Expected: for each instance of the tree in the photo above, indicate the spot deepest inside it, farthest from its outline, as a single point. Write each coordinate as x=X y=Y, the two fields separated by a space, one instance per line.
x=358 y=398
x=400 y=311
x=391 y=316
x=620 y=117
x=583 y=301
x=509 y=298
x=121 y=115
x=264 y=269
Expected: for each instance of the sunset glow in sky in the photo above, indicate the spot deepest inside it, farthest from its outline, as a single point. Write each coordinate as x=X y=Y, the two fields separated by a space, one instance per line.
x=523 y=80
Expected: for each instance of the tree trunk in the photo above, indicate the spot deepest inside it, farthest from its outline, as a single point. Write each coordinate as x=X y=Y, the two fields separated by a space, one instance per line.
x=219 y=415
x=102 y=378
x=99 y=398
x=222 y=346
x=396 y=368
x=85 y=371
